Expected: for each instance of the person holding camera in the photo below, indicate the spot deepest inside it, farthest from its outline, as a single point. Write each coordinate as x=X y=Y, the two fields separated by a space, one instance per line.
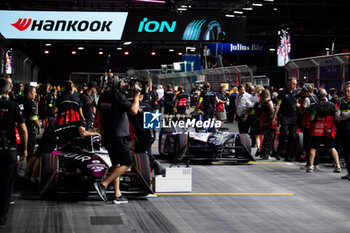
x=10 y=115
x=114 y=108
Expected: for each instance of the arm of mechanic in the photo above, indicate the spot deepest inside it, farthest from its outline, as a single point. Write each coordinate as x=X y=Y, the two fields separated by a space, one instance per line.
x=340 y=116
x=270 y=107
x=24 y=138
x=84 y=133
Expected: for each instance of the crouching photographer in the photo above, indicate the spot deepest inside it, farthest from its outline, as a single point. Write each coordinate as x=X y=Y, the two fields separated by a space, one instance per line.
x=114 y=107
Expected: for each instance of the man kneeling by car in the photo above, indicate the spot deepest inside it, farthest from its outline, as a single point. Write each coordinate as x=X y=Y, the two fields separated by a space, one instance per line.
x=54 y=134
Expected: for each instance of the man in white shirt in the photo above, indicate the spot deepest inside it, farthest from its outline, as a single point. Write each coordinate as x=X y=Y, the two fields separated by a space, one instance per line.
x=244 y=105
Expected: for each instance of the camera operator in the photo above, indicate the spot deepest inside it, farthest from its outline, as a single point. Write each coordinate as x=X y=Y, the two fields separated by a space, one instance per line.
x=9 y=116
x=113 y=107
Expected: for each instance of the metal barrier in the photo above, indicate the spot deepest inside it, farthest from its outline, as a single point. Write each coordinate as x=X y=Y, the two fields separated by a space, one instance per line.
x=231 y=75
x=329 y=71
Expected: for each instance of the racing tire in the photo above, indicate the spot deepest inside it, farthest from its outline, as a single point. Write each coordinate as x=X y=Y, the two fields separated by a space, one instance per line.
x=244 y=140
x=157 y=167
x=299 y=143
x=160 y=137
x=181 y=145
x=48 y=165
x=142 y=164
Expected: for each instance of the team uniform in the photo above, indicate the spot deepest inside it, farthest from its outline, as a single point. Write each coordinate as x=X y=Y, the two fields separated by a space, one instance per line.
x=207 y=97
x=169 y=102
x=182 y=102
x=68 y=108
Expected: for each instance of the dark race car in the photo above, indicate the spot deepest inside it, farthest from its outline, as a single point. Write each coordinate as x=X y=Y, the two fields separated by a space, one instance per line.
x=74 y=168
x=218 y=145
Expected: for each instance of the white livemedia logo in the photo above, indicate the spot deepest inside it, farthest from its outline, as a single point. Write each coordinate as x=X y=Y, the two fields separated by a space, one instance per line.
x=192 y=123
x=154 y=120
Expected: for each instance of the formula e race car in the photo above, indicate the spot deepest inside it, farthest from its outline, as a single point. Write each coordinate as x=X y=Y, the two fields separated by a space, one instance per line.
x=74 y=167
x=213 y=145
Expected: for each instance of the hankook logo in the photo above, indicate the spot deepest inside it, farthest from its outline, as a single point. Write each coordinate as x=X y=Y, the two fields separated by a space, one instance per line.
x=63 y=25
x=22 y=24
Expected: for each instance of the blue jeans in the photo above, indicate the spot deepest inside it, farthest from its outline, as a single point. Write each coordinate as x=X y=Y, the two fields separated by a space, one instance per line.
x=8 y=166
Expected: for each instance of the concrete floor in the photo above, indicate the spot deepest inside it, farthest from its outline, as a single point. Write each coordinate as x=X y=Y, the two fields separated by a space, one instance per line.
x=265 y=196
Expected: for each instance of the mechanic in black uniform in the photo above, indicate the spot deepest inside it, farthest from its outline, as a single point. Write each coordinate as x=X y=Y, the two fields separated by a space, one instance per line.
x=181 y=103
x=208 y=99
x=168 y=103
x=54 y=134
x=28 y=107
x=113 y=107
x=287 y=108
x=68 y=106
x=88 y=103
x=10 y=115
x=343 y=115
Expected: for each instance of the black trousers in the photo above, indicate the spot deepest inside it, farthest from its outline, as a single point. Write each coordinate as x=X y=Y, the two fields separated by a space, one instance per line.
x=288 y=135
x=8 y=166
x=307 y=147
x=31 y=144
x=345 y=142
x=243 y=127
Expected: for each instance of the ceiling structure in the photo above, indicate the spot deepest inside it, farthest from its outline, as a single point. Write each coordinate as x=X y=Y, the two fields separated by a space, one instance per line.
x=314 y=25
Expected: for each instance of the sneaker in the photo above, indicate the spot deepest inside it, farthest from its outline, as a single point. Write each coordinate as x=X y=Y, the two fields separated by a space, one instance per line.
x=120 y=200
x=101 y=190
x=258 y=153
x=337 y=169
x=305 y=167
x=346 y=177
x=310 y=169
x=317 y=167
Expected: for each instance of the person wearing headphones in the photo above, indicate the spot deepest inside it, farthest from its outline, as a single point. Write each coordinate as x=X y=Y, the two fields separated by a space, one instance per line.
x=114 y=107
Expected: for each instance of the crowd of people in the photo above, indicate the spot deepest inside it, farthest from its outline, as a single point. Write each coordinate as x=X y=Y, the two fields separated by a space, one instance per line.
x=67 y=111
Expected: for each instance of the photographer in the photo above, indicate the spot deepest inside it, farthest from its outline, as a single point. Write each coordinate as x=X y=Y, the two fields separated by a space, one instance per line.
x=113 y=108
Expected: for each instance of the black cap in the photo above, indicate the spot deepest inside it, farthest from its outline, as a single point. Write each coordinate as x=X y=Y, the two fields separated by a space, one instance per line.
x=92 y=84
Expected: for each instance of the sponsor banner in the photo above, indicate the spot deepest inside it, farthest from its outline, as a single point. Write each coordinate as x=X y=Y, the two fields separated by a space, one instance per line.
x=237 y=48
x=59 y=25
x=184 y=27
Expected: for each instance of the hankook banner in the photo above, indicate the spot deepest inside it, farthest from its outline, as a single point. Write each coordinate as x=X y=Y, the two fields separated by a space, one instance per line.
x=59 y=25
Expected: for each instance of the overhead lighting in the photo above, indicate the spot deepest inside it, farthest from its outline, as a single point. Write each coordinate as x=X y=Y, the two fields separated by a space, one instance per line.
x=269 y=0
x=230 y=16
x=182 y=9
x=183 y=6
x=179 y=53
x=247 y=8
x=153 y=1
x=74 y=52
x=327 y=49
x=128 y=43
x=153 y=53
x=272 y=49
x=48 y=44
x=275 y=9
x=193 y=50
x=80 y=48
x=46 y=51
x=119 y=48
x=257 y=4
x=100 y=52
x=171 y=50
x=238 y=12
x=126 y=53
